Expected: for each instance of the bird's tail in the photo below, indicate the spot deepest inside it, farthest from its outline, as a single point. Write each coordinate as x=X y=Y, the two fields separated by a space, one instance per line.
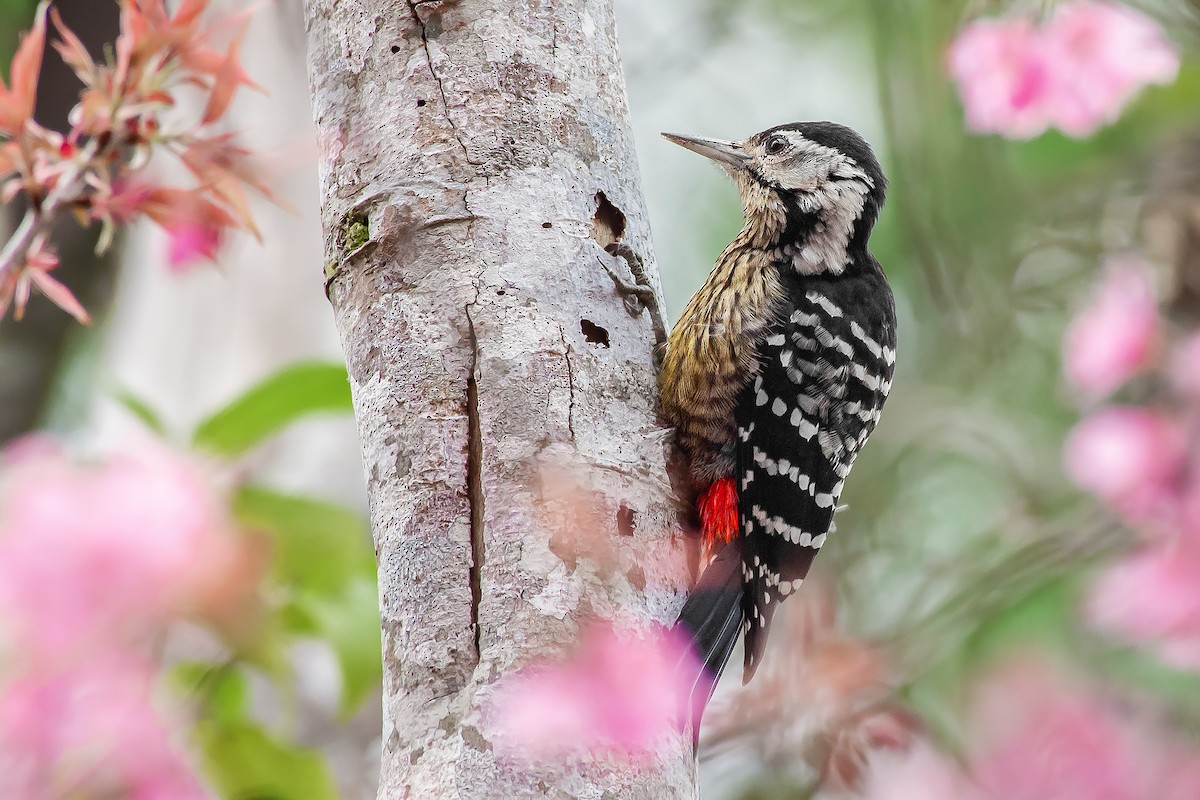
x=712 y=619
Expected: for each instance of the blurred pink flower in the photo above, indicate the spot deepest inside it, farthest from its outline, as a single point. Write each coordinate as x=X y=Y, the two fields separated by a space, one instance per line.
x=1101 y=55
x=919 y=773
x=189 y=242
x=1076 y=73
x=98 y=555
x=1035 y=734
x=1128 y=457
x=1184 y=367
x=89 y=731
x=1045 y=737
x=1002 y=77
x=619 y=692
x=1153 y=596
x=1114 y=336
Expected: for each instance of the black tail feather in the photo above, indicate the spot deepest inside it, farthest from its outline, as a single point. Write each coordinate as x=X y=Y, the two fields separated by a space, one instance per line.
x=712 y=619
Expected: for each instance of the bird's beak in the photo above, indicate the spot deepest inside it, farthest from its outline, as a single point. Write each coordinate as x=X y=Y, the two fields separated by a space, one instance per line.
x=729 y=153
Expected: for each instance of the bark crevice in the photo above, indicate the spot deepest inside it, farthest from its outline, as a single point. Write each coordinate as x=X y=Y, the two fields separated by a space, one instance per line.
x=412 y=7
x=475 y=481
x=562 y=332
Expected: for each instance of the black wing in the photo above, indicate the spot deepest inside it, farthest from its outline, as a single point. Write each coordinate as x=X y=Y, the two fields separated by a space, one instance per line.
x=825 y=371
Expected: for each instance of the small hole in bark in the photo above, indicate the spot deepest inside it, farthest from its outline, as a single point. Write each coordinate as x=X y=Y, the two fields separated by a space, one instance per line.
x=395 y=49
x=420 y=103
x=608 y=225
x=625 y=520
x=593 y=332
x=500 y=292
x=547 y=225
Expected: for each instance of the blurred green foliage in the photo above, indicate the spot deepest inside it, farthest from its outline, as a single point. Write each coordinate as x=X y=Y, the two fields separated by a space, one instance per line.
x=276 y=402
x=321 y=585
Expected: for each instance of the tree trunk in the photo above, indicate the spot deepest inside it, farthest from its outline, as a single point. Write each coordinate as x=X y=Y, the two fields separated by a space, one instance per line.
x=476 y=159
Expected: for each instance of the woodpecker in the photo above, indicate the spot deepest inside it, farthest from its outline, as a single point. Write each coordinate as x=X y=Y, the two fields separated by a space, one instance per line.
x=775 y=375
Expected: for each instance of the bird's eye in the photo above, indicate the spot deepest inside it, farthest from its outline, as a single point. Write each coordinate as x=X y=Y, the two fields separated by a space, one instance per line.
x=775 y=145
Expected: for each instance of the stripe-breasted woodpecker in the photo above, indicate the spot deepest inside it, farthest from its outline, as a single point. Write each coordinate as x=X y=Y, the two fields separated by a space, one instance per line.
x=775 y=374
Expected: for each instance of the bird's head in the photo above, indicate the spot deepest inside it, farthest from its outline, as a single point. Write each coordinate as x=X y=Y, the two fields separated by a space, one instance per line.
x=802 y=179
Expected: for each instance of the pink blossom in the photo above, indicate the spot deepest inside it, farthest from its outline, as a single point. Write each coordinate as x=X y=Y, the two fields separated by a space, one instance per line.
x=1114 y=336
x=1046 y=738
x=618 y=693
x=1075 y=73
x=1002 y=77
x=1184 y=367
x=1034 y=734
x=1127 y=457
x=101 y=554
x=1153 y=596
x=89 y=731
x=189 y=242
x=1102 y=54
x=919 y=773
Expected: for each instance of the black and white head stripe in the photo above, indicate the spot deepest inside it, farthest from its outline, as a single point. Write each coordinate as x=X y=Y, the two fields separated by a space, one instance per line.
x=825 y=371
x=823 y=182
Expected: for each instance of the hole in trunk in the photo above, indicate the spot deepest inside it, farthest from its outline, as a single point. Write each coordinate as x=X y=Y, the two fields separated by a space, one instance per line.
x=593 y=333
x=608 y=225
x=626 y=517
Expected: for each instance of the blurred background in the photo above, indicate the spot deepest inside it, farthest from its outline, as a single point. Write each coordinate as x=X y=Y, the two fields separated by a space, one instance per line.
x=967 y=566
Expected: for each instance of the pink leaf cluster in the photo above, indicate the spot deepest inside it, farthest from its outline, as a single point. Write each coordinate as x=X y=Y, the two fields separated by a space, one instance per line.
x=97 y=170
x=619 y=693
x=1076 y=72
x=95 y=562
x=1036 y=735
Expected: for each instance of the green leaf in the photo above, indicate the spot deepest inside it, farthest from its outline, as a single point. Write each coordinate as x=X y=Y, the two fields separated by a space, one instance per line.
x=318 y=546
x=244 y=762
x=324 y=558
x=140 y=409
x=265 y=409
x=220 y=688
x=349 y=621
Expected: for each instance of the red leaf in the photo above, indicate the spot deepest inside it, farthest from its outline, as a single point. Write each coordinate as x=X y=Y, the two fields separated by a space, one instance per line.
x=189 y=11
x=228 y=78
x=72 y=50
x=16 y=104
x=60 y=295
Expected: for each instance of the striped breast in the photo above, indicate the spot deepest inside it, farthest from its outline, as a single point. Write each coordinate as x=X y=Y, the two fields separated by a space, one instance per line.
x=825 y=371
x=711 y=356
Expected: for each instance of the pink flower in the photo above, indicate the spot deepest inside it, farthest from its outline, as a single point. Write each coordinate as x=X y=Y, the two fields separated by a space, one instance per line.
x=1126 y=456
x=188 y=242
x=1153 y=596
x=920 y=773
x=99 y=555
x=1003 y=80
x=1114 y=336
x=89 y=731
x=1036 y=735
x=1101 y=55
x=1184 y=367
x=618 y=693
x=1076 y=73
x=1046 y=738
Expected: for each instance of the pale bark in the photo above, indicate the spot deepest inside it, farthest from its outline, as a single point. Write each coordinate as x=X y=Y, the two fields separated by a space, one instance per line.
x=504 y=394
